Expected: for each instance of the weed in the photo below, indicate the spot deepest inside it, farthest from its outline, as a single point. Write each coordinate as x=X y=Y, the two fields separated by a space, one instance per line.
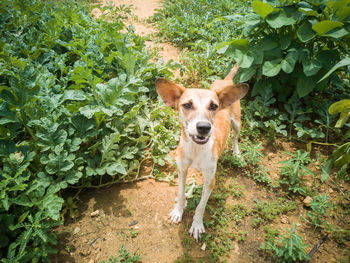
x=288 y=248
x=124 y=256
x=270 y=234
x=319 y=206
x=260 y=175
x=242 y=235
x=237 y=212
x=187 y=242
x=269 y=210
x=234 y=189
x=293 y=171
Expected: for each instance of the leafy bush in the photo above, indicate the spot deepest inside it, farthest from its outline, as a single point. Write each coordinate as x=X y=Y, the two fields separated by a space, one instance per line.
x=288 y=248
x=74 y=107
x=293 y=171
x=290 y=45
x=124 y=256
x=319 y=209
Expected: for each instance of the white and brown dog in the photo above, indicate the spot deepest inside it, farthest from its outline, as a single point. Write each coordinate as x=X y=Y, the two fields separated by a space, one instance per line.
x=205 y=126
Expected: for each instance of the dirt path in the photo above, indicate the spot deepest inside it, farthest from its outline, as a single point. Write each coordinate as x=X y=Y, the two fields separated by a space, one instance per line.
x=134 y=215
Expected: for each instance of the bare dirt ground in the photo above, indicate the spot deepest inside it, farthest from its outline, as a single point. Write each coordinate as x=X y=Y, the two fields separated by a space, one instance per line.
x=136 y=214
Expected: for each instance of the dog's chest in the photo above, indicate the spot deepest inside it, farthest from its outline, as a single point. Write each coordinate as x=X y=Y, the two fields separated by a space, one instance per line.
x=200 y=156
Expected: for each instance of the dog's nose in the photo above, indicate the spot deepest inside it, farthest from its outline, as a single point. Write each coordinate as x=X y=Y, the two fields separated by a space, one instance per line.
x=203 y=127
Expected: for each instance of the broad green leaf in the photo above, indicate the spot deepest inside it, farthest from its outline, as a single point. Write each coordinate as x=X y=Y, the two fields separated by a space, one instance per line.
x=342 y=63
x=245 y=74
x=342 y=160
x=271 y=68
x=261 y=8
x=308 y=11
x=6 y=115
x=73 y=177
x=247 y=61
x=73 y=95
x=337 y=33
x=342 y=107
x=339 y=106
x=90 y=110
x=52 y=204
x=285 y=41
x=343 y=12
x=5 y=202
x=288 y=63
x=311 y=67
x=305 y=85
x=280 y=19
x=230 y=46
x=268 y=43
x=325 y=26
x=116 y=168
x=305 y=32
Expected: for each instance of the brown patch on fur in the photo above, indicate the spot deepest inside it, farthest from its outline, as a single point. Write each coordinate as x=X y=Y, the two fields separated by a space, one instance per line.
x=222 y=130
x=212 y=184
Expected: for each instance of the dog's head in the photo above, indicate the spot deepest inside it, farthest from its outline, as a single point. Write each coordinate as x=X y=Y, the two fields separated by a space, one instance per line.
x=199 y=107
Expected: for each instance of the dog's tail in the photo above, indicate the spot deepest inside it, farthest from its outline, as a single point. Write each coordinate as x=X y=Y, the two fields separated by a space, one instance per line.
x=232 y=72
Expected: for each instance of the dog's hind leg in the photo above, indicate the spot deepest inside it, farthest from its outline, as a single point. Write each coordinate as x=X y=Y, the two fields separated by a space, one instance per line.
x=236 y=126
x=235 y=114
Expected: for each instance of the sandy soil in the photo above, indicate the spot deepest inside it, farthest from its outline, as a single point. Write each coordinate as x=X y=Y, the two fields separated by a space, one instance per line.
x=136 y=215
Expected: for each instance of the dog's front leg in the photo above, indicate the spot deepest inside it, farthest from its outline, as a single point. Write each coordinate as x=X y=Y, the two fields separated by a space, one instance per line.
x=176 y=214
x=197 y=227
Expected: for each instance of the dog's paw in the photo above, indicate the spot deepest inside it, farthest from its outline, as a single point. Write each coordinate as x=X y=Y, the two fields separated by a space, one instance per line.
x=197 y=229
x=236 y=151
x=176 y=215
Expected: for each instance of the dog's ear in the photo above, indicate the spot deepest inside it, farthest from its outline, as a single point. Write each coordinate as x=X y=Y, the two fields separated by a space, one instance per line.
x=169 y=91
x=229 y=93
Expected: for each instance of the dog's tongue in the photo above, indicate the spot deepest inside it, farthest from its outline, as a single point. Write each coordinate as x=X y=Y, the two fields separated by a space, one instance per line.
x=200 y=139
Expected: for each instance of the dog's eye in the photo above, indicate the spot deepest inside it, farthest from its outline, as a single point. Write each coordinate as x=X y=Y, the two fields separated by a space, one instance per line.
x=213 y=106
x=187 y=106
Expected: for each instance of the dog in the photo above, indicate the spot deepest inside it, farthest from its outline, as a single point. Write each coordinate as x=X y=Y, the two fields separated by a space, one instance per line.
x=205 y=117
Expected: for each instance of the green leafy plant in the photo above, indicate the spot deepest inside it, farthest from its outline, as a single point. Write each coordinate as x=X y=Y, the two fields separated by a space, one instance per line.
x=77 y=109
x=124 y=256
x=286 y=40
x=269 y=210
x=340 y=156
x=289 y=247
x=293 y=171
x=320 y=207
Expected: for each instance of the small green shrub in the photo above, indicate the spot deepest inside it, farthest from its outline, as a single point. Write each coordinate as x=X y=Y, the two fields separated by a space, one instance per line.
x=288 y=248
x=124 y=256
x=293 y=171
x=267 y=211
x=320 y=208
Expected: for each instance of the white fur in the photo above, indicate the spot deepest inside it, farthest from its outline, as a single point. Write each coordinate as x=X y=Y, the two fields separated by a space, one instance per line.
x=198 y=157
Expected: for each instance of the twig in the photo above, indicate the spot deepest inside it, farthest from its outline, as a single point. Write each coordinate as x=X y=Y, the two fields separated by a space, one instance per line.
x=93 y=241
x=315 y=248
x=114 y=182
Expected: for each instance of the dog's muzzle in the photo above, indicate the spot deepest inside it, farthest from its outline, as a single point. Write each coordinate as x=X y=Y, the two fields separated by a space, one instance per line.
x=203 y=130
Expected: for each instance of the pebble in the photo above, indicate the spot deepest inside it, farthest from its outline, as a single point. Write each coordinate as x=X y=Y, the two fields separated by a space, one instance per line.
x=307 y=201
x=95 y=213
x=76 y=230
x=284 y=220
x=85 y=252
x=204 y=246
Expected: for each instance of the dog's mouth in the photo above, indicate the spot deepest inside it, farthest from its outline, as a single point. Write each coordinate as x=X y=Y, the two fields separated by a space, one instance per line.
x=200 y=139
